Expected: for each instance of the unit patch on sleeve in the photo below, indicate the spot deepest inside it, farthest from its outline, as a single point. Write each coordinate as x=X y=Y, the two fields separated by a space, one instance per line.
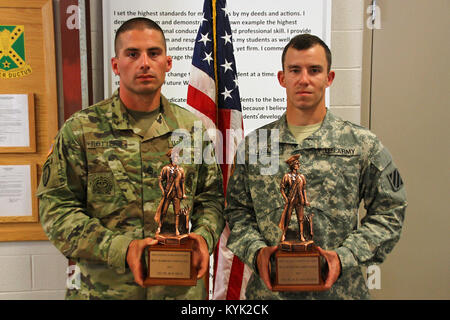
x=396 y=180
x=46 y=173
x=12 y=53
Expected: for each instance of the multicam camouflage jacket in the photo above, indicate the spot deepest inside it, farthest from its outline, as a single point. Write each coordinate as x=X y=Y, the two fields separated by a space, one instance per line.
x=99 y=191
x=343 y=165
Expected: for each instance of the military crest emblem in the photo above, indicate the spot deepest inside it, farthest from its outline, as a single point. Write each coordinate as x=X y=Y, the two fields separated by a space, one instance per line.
x=12 y=52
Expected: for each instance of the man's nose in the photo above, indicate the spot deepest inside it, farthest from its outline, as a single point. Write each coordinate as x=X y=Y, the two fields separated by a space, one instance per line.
x=145 y=61
x=303 y=77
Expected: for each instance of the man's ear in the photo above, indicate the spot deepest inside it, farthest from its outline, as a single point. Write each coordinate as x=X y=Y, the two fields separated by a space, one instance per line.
x=169 y=63
x=330 y=78
x=280 y=76
x=115 y=66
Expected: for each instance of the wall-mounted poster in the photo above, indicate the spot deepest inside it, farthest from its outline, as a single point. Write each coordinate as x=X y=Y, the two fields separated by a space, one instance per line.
x=259 y=34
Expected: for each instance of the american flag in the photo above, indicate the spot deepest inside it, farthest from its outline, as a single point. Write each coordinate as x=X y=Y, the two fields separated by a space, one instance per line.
x=213 y=93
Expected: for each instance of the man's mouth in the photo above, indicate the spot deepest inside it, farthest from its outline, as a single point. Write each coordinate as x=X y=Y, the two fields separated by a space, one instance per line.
x=145 y=77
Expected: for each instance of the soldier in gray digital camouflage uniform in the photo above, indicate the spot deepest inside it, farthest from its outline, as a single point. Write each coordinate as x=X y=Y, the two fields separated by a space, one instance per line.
x=343 y=164
x=99 y=190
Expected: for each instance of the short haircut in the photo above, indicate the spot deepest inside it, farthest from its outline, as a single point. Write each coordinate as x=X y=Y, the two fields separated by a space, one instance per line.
x=137 y=23
x=306 y=41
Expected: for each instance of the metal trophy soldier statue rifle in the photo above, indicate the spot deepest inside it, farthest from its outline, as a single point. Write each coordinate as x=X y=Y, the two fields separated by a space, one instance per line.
x=297 y=260
x=171 y=183
x=293 y=191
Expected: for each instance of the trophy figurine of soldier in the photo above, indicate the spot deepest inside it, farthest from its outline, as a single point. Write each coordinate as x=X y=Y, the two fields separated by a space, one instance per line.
x=171 y=183
x=297 y=259
x=293 y=190
x=170 y=261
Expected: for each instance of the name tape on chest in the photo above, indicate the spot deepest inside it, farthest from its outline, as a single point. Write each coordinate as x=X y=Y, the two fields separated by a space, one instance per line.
x=339 y=151
x=95 y=144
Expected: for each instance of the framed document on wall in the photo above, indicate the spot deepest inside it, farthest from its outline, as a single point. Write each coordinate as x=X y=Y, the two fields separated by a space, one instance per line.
x=17 y=127
x=18 y=183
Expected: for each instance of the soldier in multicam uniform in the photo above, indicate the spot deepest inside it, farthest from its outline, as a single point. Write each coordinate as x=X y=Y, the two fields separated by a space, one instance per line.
x=344 y=164
x=99 y=192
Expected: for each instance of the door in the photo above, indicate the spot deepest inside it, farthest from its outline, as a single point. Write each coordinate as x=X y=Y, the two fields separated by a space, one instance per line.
x=408 y=94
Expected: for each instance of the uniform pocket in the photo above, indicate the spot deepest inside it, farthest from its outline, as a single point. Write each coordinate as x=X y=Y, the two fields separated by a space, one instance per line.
x=333 y=185
x=317 y=207
x=330 y=226
x=102 y=193
x=268 y=223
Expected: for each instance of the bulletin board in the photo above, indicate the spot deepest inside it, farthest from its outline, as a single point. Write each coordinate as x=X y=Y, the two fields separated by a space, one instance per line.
x=28 y=112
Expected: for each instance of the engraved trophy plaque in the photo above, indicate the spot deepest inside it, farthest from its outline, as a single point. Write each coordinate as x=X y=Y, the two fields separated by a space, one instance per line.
x=297 y=259
x=170 y=261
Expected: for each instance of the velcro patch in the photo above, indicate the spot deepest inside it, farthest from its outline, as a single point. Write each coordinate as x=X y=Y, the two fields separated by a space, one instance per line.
x=396 y=180
x=102 y=185
x=339 y=151
x=46 y=171
x=93 y=144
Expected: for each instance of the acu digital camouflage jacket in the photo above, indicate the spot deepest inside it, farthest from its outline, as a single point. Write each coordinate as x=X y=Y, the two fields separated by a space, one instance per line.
x=99 y=191
x=343 y=165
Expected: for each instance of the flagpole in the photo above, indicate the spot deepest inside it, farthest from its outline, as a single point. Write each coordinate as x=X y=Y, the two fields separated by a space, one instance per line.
x=205 y=97
x=216 y=80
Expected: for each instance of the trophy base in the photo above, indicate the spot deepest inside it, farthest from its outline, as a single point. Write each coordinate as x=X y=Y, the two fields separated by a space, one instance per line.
x=296 y=246
x=171 y=239
x=170 y=264
x=298 y=267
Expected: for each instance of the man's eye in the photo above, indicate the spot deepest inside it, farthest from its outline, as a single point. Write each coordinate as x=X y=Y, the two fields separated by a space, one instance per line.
x=132 y=54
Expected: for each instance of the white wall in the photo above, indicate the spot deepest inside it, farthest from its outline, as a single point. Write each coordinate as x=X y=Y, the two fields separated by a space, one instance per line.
x=36 y=270
x=347 y=24
x=31 y=270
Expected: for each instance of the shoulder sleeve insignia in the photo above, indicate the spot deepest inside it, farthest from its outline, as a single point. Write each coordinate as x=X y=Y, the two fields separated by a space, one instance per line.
x=50 y=151
x=396 y=180
x=46 y=174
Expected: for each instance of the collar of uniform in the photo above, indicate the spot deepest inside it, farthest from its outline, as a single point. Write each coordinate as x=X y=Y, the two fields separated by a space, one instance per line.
x=323 y=137
x=286 y=135
x=165 y=122
x=317 y=140
x=120 y=117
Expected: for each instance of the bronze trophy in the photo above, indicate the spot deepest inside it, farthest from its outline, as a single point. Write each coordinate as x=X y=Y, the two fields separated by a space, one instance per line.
x=297 y=259
x=170 y=261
